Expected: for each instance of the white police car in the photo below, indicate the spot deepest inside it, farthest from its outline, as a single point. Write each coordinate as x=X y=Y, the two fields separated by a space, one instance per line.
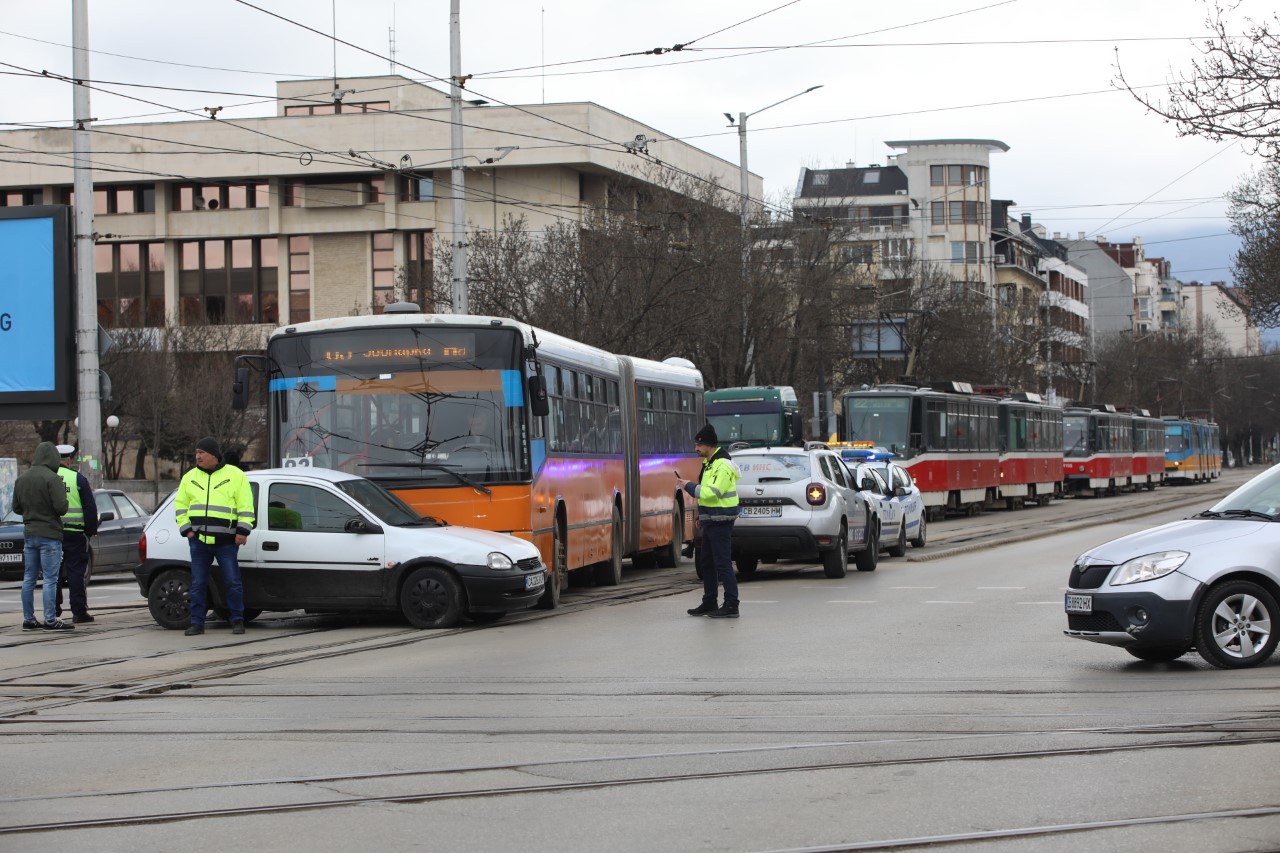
x=327 y=541
x=900 y=492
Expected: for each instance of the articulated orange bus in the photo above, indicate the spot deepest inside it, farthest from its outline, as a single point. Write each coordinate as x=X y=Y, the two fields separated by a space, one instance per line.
x=488 y=422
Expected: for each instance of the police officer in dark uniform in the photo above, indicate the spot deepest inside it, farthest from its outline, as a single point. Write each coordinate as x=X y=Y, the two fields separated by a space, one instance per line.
x=78 y=526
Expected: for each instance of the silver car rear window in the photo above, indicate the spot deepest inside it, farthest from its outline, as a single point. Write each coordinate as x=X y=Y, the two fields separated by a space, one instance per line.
x=773 y=468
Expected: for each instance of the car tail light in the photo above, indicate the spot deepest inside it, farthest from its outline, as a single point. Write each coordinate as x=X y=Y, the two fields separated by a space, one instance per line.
x=142 y=549
x=815 y=494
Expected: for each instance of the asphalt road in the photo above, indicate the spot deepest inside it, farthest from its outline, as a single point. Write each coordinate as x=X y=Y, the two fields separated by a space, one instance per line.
x=932 y=704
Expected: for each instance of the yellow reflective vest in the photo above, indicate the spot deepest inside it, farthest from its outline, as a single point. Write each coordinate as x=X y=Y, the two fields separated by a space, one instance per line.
x=217 y=504
x=73 y=521
x=717 y=489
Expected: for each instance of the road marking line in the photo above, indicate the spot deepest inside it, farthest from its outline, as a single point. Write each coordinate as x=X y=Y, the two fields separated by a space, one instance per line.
x=1057 y=603
x=851 y=601
x=913 y=587
x=1002 y=587
x=947 y=602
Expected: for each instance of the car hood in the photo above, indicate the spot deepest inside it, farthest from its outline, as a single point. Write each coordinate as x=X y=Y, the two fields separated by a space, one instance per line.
x=471 y=539
x=1186 y=535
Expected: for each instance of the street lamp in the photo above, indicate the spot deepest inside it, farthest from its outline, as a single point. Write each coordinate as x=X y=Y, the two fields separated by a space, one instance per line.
x=742 y=148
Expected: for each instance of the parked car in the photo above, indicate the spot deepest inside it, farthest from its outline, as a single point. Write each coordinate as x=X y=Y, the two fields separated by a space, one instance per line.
x=113 y=549
x=327 y=541
x=798 y=502
x=875 y=489
x=1209 y=583
x=902 y=488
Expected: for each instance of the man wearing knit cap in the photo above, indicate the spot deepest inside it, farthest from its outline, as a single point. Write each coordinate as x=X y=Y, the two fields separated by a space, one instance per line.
x=214 y=509
x=717 y=494
x=78 y=526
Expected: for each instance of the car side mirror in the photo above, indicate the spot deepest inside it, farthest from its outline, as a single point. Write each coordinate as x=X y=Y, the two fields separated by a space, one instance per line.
x=899 y=491
x=106 y=516
x=359 y=525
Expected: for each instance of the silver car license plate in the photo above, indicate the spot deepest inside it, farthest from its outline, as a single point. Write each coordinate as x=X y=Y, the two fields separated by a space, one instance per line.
x=762 y=512
x=535 y=581
x=1079 y=603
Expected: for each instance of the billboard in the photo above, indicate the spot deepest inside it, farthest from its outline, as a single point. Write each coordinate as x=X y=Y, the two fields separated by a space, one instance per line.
x=37 y=337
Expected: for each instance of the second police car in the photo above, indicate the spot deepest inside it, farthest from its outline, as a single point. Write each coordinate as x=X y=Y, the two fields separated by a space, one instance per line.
x=890 y=488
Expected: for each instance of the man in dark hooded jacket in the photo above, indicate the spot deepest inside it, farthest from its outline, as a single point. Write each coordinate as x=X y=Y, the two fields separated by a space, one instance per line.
x=40 y=497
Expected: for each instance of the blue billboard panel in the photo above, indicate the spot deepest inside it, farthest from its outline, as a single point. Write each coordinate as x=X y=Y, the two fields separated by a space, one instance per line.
x=37 y=341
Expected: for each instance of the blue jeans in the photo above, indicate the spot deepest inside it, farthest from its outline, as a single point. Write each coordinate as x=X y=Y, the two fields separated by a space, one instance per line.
x=202 y=557
x=40 y=554
x=715 y=562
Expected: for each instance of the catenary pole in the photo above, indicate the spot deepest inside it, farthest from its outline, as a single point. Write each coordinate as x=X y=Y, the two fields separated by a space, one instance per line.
x=87 y=368
x=457 y=180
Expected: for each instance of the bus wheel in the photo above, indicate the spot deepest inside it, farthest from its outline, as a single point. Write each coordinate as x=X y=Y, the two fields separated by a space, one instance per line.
x=609 y=573
x=431 y=597
x=669 y=557
x=559 y=561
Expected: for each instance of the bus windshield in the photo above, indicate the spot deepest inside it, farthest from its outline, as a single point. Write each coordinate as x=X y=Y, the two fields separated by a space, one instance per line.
x=754 y=421
x=402 y=405
x=881 y=420
x=1175 y=440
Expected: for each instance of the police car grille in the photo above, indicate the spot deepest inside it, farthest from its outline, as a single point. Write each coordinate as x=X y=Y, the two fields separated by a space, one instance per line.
x=528 y=564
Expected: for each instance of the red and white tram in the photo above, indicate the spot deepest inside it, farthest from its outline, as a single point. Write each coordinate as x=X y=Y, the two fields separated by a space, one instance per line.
x=948 y=439
x=1148 y=450
x=1030 y=450
x=1097 y=449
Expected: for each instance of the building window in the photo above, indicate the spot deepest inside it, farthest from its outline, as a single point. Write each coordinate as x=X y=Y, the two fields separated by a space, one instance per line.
x=964 y=213
x=871 y=177
x=299 y=279
x=938 y=213
x=384 y=269
x=966 y=252
x=894 y=249
x=820 y=179
x=130 y=280
x=415 y=188
x=133 y=198
x=418 y=271
x=228 y=281
x=937 y=175
x=21 y=198
x=234 y=196
x=858 y=253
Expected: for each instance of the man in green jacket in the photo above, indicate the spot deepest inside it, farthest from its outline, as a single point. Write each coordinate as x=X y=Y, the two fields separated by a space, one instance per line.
x=717 y=494
x=40 y=497
x=214 y=510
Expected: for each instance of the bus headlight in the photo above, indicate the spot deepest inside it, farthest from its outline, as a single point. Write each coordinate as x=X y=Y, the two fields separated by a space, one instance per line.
x=499 y=562
x=1149 y=567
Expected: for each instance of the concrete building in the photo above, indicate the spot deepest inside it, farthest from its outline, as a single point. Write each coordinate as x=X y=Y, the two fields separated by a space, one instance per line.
x=1215 y=306
x=932 y=203
x=334 y=204
x=1111 y=298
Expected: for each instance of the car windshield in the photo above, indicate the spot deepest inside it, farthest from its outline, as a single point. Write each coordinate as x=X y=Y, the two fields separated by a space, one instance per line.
x=387 y=507
x=1259 y=495
x=772 y=467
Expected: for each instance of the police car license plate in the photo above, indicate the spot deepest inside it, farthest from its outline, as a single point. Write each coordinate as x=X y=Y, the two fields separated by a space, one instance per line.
x=11 y=558
x=1079 y=603
x=535 y=581
x=762 y=511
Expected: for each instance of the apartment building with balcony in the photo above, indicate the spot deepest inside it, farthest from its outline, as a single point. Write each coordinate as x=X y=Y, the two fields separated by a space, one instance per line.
x=1214 y=306
x=332 y=205
x=930 y=204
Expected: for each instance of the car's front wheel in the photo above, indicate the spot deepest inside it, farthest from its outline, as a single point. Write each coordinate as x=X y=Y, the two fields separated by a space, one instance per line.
x=169 y=599
x=431 y=598
x=1234 y=626
x=746 y=566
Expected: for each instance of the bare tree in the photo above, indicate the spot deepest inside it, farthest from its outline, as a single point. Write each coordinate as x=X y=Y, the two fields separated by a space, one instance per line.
x=1255 y=219
x=1230 y=91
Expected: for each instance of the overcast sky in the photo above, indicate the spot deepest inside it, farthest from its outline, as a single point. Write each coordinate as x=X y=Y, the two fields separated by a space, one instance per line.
x=1036 y=75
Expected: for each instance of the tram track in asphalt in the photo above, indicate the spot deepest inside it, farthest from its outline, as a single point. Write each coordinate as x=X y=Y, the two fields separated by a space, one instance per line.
x=336 y=800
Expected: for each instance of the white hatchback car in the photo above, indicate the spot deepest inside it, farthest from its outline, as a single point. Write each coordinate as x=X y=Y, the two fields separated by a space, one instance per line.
x=1210 y=583
x=328 y=541
x=799 y=502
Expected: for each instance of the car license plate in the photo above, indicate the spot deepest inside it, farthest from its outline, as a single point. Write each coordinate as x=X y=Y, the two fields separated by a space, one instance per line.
x=762 y=512
x=535 y=581
x=1079 y=603
x=11 y=558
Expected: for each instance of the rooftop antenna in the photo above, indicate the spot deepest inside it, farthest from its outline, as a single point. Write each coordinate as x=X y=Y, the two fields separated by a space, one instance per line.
x=544 y=55
x=334 y=7
x=391 y=39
